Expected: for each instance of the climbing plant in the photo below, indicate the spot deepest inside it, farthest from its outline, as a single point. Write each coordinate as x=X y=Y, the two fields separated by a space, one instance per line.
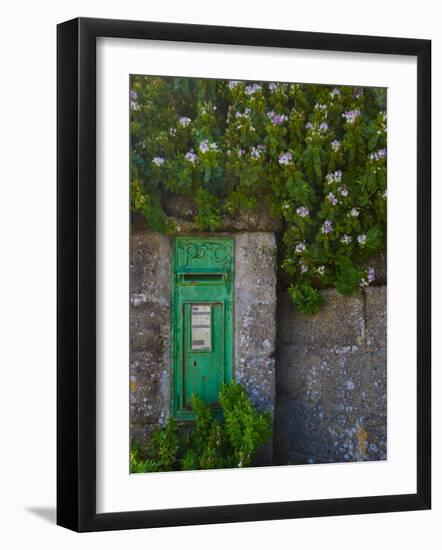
x=315 y=154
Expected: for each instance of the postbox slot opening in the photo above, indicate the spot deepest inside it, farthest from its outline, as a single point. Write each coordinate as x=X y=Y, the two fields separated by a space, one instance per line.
x=202 y=277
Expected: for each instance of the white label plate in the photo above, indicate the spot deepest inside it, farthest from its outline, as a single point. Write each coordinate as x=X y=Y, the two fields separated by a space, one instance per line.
x=201 y=327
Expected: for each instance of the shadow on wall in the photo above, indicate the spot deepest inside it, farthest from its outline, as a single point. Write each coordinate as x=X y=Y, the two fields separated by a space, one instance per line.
x=46 y=513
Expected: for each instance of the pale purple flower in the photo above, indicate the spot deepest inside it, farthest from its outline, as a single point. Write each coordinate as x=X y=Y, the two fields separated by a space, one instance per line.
x=309 y=125
x=191 y=157
x=343 y=191
x=133 y=95
x=335 y=145
x=332 y=199
x=184 y=121
x=354 y=212
x=327 y=227
x=285 y=158
x=241 y=152
x=300 y=248
x=279 y=119
x=243 y=115
x=205 y=146
x=252 y=89
x=380 y=154
x=350 y=116
x=261 y=147
x=233 y=83
x=346 y=239
x=371 y=275
x=272 y=86
x=255 y=153
x=276 y=119
x=323 y=127
x=334 y=177
x=303 y=211
x=158 y=161
x=362 y=239
x=336 y=91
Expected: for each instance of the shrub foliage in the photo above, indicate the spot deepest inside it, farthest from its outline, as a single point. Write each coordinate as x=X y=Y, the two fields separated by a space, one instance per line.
x=315 y=154
x=227 y=442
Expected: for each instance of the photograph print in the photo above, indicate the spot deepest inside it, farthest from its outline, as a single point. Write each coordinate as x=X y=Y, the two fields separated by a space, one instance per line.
x=258 y=283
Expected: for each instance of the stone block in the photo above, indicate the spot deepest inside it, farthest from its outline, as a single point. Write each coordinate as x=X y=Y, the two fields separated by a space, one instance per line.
x=255 y=310
x=331 y=380
x=150 y=287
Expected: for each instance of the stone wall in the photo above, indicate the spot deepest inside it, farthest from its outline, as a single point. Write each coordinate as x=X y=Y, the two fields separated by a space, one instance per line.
x=150 y=320
x=331 y=377
x=255 y=316
x=323 y=376
x=255 y=323
x=150 y=288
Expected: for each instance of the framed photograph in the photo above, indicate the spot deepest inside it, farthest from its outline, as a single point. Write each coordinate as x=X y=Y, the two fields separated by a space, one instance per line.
x=243 y=274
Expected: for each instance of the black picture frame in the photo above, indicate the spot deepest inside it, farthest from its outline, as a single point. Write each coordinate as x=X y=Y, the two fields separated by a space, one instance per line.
x=77 y=287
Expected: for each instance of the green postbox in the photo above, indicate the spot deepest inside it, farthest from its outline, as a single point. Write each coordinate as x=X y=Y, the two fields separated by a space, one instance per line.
x=202 y=320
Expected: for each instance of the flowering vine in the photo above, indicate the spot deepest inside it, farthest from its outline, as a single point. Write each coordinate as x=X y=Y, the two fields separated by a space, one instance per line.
x=315 y=154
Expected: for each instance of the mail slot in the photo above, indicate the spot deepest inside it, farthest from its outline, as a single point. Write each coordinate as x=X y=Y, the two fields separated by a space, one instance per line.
x=196 y=278
x=202 y=320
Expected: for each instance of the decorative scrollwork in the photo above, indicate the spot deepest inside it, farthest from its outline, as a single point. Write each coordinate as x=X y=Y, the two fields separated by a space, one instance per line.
x=211 y=253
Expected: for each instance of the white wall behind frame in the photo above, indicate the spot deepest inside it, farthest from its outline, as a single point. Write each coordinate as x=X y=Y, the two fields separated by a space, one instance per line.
x=28 y=273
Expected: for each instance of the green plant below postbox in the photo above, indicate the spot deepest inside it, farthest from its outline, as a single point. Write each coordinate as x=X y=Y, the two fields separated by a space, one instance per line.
x=228 y=441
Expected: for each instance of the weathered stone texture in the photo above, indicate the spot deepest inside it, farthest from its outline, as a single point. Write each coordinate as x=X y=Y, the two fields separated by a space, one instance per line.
x=150 y=290
x=255 y=327
x=331 y=380
x=182 y=210
x=255 y=310
x=330 y=403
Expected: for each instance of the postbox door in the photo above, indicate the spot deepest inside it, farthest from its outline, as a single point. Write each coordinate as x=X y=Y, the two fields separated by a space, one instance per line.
x=202 y=321
x=203 y=351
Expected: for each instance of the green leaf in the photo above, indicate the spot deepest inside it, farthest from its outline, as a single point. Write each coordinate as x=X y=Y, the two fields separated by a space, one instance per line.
x=347 y=276
x=307 y=298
